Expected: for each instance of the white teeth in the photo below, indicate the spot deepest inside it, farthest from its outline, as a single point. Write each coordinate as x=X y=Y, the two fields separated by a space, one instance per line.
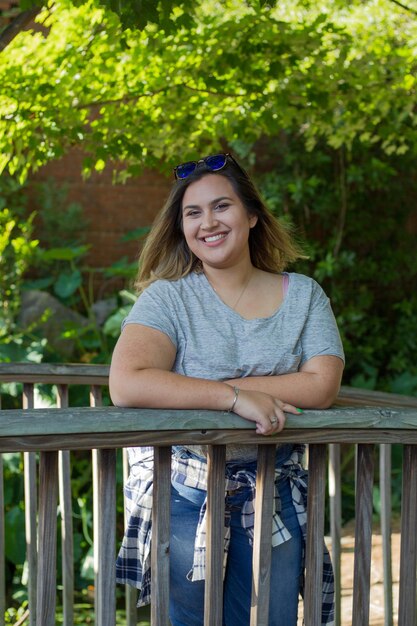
x=214 y=238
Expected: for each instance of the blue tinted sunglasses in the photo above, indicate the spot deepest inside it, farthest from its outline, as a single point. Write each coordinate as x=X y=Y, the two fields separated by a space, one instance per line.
x=214 y=163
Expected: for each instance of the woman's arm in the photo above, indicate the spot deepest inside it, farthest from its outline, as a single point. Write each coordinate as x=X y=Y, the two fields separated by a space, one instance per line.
x=314 y=386
x=141 y=376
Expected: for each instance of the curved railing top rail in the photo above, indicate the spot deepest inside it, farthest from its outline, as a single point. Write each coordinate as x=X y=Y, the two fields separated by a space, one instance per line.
x=90 y=374
x=68 y=374
x=111 y=427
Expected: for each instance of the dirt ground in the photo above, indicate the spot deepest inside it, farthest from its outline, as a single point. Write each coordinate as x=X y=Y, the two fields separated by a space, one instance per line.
x=376 y=617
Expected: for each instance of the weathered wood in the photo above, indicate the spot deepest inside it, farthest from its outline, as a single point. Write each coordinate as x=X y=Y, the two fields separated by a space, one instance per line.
x=2 y=544
x=386 y=514
x=363 y=535
x=114 y=420
x=315 y=532
x=408 y=553
x=29 y=476
x=130 y=592
x=95 y=401
x=105 y=542
x=213 y=606
x=65 y=505
x=66 y=374
x=335 y=502
x=374 y=423
x=262 y=541
x=2 y=547
x=47 y=535
x=161 y=537
x=354 y=396
x=87 y=441
x=77 y=373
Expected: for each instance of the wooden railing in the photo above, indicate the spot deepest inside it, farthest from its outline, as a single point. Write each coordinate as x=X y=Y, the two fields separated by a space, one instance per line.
x=104 y=429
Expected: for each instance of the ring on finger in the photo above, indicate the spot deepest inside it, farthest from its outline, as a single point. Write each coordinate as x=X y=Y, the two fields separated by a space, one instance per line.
x=273 y=420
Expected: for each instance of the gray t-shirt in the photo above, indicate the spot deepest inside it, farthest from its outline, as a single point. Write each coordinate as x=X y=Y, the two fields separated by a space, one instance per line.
x=214 y=342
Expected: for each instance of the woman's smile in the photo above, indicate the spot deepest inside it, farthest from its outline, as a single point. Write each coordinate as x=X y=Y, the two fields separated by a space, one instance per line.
x=213 y=240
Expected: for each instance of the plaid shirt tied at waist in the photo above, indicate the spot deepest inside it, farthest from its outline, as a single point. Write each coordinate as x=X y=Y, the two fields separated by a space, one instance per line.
x=134 y=559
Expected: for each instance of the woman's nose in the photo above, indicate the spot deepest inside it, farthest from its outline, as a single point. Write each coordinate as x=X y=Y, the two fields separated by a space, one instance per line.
x=209 y=220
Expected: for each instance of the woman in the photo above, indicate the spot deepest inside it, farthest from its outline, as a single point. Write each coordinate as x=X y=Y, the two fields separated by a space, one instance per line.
x=219 y=325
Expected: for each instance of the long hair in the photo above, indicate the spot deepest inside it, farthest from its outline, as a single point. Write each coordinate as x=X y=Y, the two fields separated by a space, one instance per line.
x=166 y=255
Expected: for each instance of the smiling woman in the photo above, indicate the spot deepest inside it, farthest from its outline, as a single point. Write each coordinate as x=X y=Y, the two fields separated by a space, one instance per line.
x=219 y=324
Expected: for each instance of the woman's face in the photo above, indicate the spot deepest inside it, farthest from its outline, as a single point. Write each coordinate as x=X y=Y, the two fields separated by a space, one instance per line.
x=216 y=225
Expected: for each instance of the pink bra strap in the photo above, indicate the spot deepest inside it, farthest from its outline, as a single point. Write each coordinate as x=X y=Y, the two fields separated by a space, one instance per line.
x=285 y=281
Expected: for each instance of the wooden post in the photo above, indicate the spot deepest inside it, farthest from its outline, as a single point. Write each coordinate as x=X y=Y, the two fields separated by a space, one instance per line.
x=130 y=592
x=29 y=463
x=48 y=500
x=262 y=540
x=315 y=532
x=386 y=514
x=161 y=511
x=213 y=597
x=2 y=546
x=105 y=541
x=65 y=505
x=335 y=501
x=407 y=594
x=363 y=535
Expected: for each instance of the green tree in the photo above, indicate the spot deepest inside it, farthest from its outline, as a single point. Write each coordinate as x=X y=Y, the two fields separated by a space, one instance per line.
x=337 y=74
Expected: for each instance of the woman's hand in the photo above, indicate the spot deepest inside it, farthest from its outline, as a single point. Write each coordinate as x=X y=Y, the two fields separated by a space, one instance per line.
x=266 y=411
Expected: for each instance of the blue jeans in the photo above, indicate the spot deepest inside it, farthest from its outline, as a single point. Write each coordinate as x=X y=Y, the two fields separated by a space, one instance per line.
x=187 y=598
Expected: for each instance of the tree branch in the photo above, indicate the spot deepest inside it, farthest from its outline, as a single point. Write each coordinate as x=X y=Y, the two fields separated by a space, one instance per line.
x=17 y=25
x=405 y=7
x=150 y=94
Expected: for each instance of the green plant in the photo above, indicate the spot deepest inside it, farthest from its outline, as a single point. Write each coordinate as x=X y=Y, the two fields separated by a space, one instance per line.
x=17 y=250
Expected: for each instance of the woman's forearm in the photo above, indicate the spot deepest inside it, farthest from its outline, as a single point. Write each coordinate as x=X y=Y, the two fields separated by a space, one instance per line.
x=304 y=389
x=156 y=388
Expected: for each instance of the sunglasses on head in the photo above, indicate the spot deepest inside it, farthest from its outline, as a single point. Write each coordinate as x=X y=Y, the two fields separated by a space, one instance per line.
x=214 y=163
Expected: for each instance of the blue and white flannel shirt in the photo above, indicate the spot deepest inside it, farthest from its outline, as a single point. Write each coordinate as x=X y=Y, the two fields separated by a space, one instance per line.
x=134 y=559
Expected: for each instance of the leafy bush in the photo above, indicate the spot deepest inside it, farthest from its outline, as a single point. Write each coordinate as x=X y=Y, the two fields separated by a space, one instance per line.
x=352 y=211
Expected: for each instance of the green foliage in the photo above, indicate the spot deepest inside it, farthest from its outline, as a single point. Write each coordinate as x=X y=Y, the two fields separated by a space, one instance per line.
x=353 y=210
x=17 y=249
x=136 y=14
x=335 y=73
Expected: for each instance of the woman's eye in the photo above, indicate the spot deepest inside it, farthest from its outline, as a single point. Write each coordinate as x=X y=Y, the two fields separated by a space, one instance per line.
x=222 y=206
x=192 y=213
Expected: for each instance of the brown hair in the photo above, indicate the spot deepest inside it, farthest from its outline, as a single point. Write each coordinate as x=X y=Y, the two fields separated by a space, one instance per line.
x=166 y=254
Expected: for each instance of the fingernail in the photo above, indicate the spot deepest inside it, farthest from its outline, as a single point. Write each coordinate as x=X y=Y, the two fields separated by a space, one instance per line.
x=299 y=410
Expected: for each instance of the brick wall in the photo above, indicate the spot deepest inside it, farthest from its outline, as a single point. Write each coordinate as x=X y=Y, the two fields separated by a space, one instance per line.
x=112 y=210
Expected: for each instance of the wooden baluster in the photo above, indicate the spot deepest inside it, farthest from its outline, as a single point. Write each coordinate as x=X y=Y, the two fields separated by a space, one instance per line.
x=2 y=544
x=48 y=499
x=130 y=592
x=29 y=462
x=363 y=534
x=105 y=540
x=65 y=503
x=315 y=532
x=104 y=527
x=161 y=536
x=213 y=591
x=335 y=501
x=386 y=513
x=262 y=540
x=407 y=594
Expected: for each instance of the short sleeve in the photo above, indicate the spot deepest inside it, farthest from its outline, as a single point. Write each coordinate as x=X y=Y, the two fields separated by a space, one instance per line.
x=154 y=309
x=320 y=334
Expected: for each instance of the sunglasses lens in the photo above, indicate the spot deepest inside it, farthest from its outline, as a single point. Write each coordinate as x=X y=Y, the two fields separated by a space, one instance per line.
x=185 y=169
x=216 y=162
